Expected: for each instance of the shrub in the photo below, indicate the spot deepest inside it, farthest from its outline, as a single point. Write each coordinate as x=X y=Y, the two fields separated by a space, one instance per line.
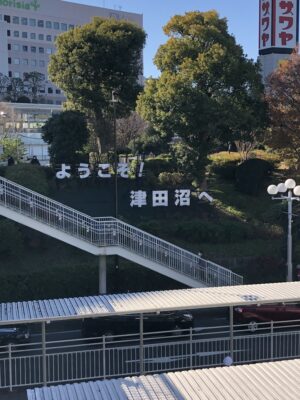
x=251 y=174
x=31 y=176
x=226 y=170
x=172 y=179
x=224 y=164
x=158 y=165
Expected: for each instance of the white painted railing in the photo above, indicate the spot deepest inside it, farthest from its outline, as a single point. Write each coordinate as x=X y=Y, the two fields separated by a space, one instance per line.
x=79 y=360
x=108 y=231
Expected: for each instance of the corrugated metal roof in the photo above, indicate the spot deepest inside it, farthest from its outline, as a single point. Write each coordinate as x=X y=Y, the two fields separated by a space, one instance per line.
x=80 y=307
x=266 y=381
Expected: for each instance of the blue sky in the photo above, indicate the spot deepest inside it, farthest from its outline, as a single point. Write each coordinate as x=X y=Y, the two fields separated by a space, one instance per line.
x=242 y=16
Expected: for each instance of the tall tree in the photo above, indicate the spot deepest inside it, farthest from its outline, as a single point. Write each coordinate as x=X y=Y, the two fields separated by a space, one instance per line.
x=207 y=88
x=129 y=129
x=93 y=60
x=15 y=89
x=66 y=133
x=282 y=90
x=4 y=80
x=34 y=81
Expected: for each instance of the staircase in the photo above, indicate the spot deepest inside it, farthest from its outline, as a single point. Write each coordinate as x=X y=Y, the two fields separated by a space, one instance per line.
x=109 y=236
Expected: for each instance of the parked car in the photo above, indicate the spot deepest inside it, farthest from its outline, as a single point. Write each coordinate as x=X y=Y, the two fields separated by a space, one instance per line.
x=252 y=315
x=18 y=334
x=130 y=324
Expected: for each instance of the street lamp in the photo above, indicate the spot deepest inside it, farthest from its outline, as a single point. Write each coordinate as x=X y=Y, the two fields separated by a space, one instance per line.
x=290 y=187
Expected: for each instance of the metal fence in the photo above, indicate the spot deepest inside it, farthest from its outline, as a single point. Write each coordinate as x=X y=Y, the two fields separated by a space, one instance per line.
x=108 y=231
x=78 y=360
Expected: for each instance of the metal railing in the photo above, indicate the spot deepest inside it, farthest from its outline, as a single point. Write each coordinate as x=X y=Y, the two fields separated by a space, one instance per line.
x=108 y=231
x=79 y=360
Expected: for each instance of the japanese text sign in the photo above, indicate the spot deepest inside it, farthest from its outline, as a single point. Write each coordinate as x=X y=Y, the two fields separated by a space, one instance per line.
x=265 y=24
x=278 y=25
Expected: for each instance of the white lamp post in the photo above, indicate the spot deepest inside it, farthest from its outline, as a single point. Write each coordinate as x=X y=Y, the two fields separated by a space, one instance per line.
x=290 y=187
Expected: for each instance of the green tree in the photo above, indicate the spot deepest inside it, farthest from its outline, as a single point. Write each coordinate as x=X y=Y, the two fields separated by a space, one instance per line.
x=13 y=147
x=34 y=81
x=207 y=89
x=66 y=133
x=90 y=62
x=284 y=105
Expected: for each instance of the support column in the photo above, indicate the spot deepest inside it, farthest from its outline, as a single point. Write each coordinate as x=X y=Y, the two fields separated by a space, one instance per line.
x=44 y=354
x=102 y=275
x=141 y=344
x=231 y=332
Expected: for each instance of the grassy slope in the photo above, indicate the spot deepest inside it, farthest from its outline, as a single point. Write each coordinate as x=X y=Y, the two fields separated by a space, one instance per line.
x=258 y=213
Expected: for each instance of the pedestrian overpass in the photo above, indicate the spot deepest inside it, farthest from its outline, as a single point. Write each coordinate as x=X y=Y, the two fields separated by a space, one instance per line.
x=107 y=236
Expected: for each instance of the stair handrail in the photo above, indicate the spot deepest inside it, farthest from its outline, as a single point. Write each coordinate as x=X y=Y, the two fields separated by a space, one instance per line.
x=112 y=230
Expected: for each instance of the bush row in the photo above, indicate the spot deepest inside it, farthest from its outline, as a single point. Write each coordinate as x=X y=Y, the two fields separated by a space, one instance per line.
x=222 y=231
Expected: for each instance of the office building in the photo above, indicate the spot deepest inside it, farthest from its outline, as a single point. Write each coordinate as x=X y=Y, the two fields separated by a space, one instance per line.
x=28 y=30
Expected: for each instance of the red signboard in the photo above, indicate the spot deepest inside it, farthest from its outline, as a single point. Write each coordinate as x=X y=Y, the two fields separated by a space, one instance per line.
x=278 y=26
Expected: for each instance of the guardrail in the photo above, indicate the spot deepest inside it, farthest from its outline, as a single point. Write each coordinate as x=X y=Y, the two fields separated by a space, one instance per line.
x=78 y=359
x=108 y=231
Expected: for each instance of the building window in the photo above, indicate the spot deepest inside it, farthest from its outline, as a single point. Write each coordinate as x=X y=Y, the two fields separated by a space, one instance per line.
x=25 y=61
x=58 y=102
x=49 y=24
x=71 y=26
x=17 y=74
x=9 y=46
x=41 y=63
x=8 y=33
x=33 y=63
x=56 y=25
x=64 y=27
x=40 y=23
x=16 y=47
x=32 y=36
x=9 y=60
x=41 y=50
x=25 y=48
x=9 y=74
x=49 y=101
x=15 y=20
x=33 y=49
x=16 y=61
x=24 y=35
x=16 y=34
x=50 y=90
x=32 y=22
x=41 y=36
x=24 y=21
x=48 y=50
x=42 y=90
x=58 y=91
x=48 y=38
x=7 y=18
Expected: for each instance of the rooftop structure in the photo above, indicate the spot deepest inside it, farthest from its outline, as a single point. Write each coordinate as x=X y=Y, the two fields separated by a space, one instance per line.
x=138 y=303
x=268 y=381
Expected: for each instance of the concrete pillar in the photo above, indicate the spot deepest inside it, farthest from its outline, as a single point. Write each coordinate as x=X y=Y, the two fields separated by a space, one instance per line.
x=44 y=354
x=102 y=275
